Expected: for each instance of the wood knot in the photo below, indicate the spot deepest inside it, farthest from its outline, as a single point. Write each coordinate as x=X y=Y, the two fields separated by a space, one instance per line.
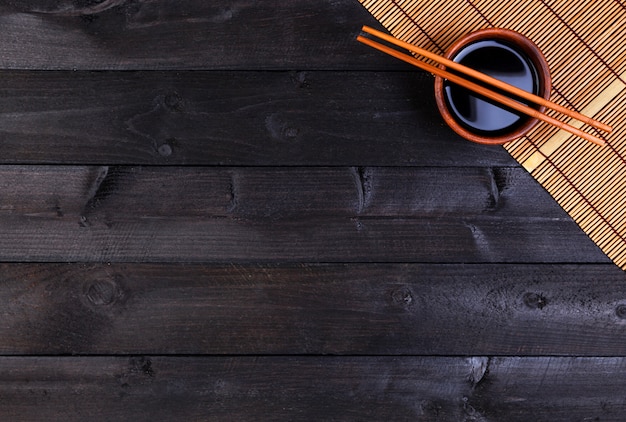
x=174 y=101
x=300 y=80
x=140 y=365
x=165 y=150
x=102 y=292
x=403 y=297
x=620 y=311
x=535 y=300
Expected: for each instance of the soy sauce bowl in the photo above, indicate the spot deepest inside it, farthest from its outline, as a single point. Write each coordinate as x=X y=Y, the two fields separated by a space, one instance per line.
x=505 y=55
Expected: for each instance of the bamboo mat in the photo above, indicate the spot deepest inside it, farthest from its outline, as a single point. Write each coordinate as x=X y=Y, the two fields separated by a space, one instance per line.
x=585 y=45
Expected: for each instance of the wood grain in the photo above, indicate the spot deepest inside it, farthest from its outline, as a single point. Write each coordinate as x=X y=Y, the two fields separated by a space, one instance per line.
x=550 y=389
x=231 y=210
x=229 y=118
x=301 y=308
x=274 y=193
x=145 y=239
x=159 y=388
x=171 y=214
x=184 y=34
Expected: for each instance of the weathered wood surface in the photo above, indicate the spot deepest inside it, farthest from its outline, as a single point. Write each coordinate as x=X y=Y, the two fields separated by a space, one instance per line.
x=316 y=214
x=230 y=118
x=365 y=309
x=147 y=388
x=231 y=210
x=185 y=34
x=273 y=193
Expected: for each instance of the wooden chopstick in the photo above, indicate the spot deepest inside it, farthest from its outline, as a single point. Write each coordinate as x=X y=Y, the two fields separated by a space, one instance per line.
x=475 y=87
x=489 y=79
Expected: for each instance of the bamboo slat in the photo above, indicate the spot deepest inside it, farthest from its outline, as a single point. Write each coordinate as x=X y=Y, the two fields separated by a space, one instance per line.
x=587 y=57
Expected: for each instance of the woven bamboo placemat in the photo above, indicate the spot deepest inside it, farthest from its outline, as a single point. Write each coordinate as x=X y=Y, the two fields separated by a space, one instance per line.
x=585 y=45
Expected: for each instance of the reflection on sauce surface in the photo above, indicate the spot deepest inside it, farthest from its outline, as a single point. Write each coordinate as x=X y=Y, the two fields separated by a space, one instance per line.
x=501 y=61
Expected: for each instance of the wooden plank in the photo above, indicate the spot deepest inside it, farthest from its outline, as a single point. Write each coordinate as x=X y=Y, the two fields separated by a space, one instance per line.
x=356 y=309
x=196 y=214
x=333 y=239
x=159 y=388
x=223 y=388
x=175 y=34
x=274 y=193
x=552 y=389
x=232 y=118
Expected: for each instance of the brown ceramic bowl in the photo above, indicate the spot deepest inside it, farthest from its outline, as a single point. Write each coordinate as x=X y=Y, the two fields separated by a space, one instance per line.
x=505 y=55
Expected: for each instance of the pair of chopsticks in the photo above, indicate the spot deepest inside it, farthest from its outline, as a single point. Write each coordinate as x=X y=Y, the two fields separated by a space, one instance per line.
x=482 y=90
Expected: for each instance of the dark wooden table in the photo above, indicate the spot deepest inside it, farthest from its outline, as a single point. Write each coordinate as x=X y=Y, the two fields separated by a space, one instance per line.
x=231 y=210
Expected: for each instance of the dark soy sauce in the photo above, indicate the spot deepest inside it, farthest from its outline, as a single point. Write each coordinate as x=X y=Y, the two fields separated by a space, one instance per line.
x=501 y=61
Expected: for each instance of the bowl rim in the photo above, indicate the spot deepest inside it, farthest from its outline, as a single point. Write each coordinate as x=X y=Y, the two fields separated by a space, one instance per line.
x=527 y=47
